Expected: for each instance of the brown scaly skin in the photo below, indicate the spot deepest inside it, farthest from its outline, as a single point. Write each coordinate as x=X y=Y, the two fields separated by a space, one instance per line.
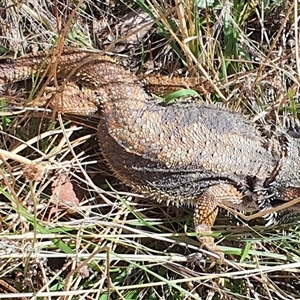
x=185 y=153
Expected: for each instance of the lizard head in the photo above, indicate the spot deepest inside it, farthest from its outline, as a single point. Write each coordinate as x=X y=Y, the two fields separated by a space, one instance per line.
x=284 y=184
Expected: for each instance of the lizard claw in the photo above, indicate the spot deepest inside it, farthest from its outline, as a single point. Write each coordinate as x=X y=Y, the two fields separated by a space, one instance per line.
x=209 y=244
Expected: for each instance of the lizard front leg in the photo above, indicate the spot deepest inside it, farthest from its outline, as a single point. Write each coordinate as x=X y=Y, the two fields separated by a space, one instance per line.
x=206 y=211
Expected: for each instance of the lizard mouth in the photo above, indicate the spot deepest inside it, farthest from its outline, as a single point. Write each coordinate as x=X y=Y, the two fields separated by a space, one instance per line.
x=282 y=216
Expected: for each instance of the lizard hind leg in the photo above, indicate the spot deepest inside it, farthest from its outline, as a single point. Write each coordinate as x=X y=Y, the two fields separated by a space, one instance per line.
x=69 y=98
x=206 y=211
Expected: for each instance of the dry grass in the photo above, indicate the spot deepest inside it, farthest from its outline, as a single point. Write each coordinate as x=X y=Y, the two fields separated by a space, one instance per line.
x=66 y=233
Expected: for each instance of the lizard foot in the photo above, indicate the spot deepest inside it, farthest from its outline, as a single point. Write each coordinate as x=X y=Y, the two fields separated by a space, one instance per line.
x=206 y=212
x=209 y=244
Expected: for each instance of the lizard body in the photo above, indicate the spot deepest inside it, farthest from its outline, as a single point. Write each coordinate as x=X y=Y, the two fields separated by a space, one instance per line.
x=186 y=153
